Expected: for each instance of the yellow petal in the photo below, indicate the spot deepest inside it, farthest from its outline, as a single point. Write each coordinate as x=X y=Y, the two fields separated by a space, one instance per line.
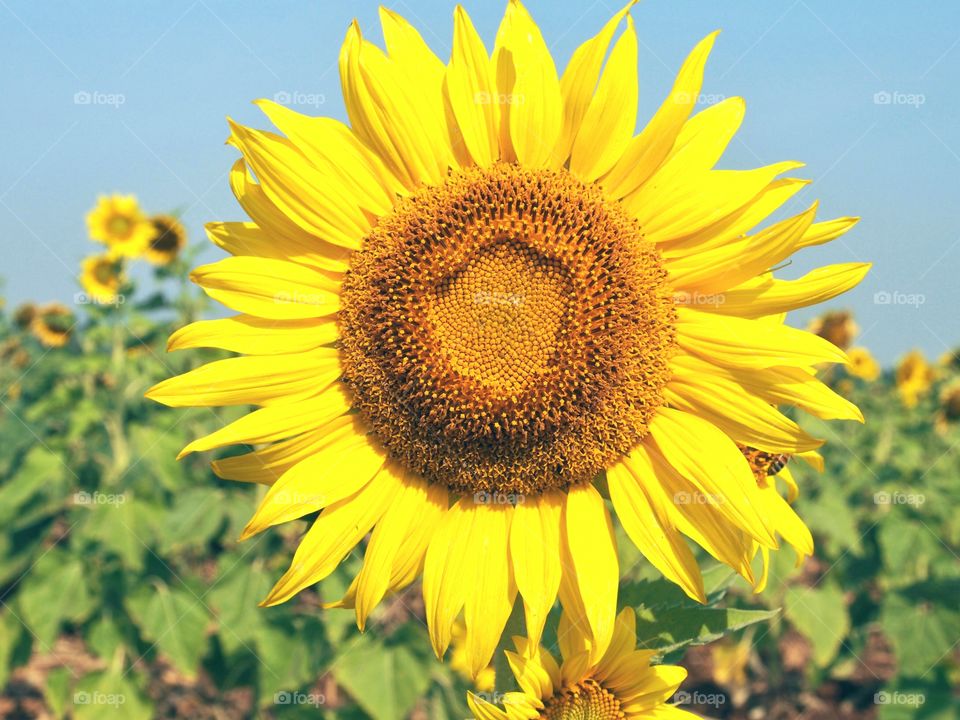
x=266 y=465
x=532 y=678
x=743 y=416
x=269 y=288
x=490 y=588
x=671 y=204
x=580 y=80
x=388 y=540
x=531 y=108
x=740 y=343
x=277 y=421
x=649 y=149
x=535 y=556
x=823 y=232
x=249 y=239
x=765 y=295
x=333 y=534
x=788 y=523
x=588 y=533
x=607 y=125
x=314 y=201
x=257 y=380
x=704 y=138
x=383 y=112
x=659 y=542
x=729 y=265
x=655 y=688
x=472 y=91
x=445 y=573
x=711 y=461
x=483 y=710
x=343 y=464
x=334 y=150
x=256 y=336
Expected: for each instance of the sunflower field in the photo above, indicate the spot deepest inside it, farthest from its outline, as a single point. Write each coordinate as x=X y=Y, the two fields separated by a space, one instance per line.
x=126 y=594
x=491 y=406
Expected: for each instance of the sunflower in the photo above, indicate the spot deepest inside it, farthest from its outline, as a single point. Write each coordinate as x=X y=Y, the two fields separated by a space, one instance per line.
x=862 y=364
x=52 y=325
x=948 y=413
x=620 y=684
x=837 y=327
x=118 y=222
x=914 y=376
x=102 y=277
x=169 y=239
x=463 y=309
x=460 y=660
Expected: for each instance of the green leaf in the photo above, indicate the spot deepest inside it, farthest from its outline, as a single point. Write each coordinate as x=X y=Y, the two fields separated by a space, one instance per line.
x=108 y=695
x=54 y=591
x=669 y=629
x=176 y=621
x=820 y=614
x=922 y=633
x=385 y=680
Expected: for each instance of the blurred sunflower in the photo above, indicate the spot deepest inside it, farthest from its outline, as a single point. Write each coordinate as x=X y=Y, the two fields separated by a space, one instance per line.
x=862 y=364
x=24 y=314
x=52 y=324
x=461 y=310
x=168 y=240
x=118 y=222
x=836 y=327
x=620 y=684
x=948 y=414
x=101 y=277
x=460 y=660
x=914 y=377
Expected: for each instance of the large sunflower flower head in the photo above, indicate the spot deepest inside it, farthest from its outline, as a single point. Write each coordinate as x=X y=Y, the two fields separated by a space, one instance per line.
x=101 y=277
x=118 y=222
x=461 y=310
x=620 y=685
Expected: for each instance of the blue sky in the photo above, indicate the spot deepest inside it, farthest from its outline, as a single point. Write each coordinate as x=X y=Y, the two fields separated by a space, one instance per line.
x=864 y=92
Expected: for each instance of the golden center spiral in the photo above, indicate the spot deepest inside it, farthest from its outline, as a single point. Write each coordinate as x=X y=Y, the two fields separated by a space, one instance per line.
x=507 y=331
x=587 y=700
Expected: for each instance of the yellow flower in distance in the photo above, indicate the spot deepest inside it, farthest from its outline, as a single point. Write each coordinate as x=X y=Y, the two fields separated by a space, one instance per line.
x=620 y=685
x=102 y=277
x=837 y=327
x=461 y=310
x=118 y=222
x=52 y=324
x=949 y=412
x=168 y=240
x=914 y=377
x=862 y=364
x=460 y=660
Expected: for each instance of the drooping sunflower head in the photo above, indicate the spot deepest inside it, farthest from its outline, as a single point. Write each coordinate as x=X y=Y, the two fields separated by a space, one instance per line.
x=837 y=327
x=463 y=309
x=914 y=376
x=169 y=239
x=118 y=222
x=620 y=685
x=862 y=364
x=101 y=277
x=52 y=324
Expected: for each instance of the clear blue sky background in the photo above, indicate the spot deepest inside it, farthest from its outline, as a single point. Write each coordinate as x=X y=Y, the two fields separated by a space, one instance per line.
x=809 y=70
